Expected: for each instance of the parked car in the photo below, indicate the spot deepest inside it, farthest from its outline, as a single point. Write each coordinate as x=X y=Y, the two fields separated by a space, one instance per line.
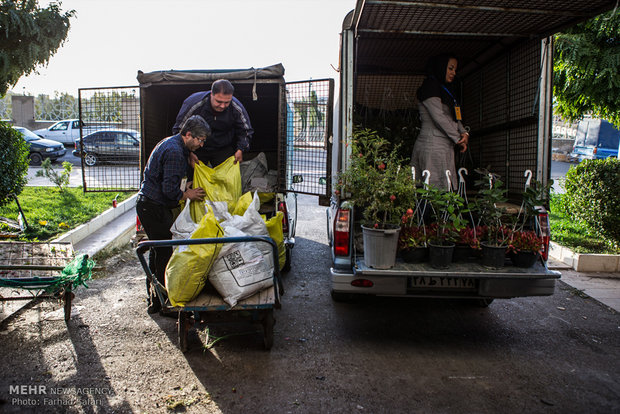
x=596 y=139
x=65 y=131
x=108 y=145
x=41 y=148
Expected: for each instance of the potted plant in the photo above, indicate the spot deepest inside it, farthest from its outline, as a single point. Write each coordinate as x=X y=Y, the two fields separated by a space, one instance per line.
x=375 y=183
x=446 y=208
x=524 y=248
x=468 y=242
x=491 y=213
x=412 y=242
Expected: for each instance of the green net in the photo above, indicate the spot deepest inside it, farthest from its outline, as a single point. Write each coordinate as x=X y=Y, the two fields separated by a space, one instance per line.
x=75 y=274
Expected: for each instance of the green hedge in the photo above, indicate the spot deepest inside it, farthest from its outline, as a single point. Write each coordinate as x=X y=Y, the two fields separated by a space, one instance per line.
x=593 y=196
x=13 y=162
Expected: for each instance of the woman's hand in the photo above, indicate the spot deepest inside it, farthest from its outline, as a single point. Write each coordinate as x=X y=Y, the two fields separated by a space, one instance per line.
x=463 y=142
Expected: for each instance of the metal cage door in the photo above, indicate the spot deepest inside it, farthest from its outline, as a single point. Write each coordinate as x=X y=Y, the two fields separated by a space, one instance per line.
x=309 y=112
x=109 y=145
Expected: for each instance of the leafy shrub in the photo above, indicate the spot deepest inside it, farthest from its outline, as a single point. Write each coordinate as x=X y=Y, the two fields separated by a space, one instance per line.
x=61 y=179
x=13 y=162
x=593 y=196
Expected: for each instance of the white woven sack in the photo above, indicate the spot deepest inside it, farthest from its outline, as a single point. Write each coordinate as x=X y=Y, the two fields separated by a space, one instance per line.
x=240 y=270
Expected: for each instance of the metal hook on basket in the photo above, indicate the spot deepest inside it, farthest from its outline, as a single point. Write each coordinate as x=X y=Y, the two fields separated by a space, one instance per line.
x=448 y=175
x=528 y=178
x=426 y=174
x=460 y=172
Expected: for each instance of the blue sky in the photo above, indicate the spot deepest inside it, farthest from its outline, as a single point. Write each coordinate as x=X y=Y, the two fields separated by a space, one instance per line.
x=110 y=40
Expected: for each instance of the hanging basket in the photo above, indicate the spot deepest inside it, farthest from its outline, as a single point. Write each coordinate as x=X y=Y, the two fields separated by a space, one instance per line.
x=380 y=246
x=415 y=254
x=493 y=256
x=462 y=253
x=440 y=256
x=523 y=259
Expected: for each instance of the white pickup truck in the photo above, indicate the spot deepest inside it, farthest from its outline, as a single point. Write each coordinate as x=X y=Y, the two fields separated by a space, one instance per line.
x=65 y=131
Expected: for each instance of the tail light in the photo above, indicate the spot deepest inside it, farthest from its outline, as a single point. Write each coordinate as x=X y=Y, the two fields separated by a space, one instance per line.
x=138 y=224
x=341 y=232
x=545 y=232
x=362 y=283
x=282 y=208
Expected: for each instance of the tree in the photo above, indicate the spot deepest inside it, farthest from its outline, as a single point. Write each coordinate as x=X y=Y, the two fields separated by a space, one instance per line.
x=586 y=74
x=13 y=162
x=29 y=36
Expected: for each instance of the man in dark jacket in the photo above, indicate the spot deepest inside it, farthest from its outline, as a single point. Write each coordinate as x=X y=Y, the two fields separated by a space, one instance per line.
x=229 y=121
x=164 y=186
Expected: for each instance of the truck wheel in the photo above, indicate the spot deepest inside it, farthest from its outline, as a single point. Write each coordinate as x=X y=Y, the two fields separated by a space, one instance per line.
x=90 y=160
x=35 y=159
x=287 y=264
x=484 y=303
x=343 y=297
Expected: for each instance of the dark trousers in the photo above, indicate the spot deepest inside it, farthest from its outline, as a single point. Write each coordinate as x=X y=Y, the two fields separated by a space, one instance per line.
x=156 y=220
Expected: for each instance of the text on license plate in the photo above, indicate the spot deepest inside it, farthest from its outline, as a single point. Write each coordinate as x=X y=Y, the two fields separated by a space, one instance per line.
x=441 y=282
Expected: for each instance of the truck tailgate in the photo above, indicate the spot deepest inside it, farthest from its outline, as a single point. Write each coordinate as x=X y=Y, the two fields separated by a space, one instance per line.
x=465 y=279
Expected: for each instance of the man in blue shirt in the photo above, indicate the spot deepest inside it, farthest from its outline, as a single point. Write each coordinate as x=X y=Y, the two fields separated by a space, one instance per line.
x=229 y=121
x=164 y=186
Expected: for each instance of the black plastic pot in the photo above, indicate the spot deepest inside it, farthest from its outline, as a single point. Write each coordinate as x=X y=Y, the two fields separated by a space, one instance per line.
x=415 y=255
x=493 y=256
x=440 y=256
x=523 y=259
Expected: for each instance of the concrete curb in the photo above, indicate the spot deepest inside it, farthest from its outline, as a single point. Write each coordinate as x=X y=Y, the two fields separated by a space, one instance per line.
x=82 y=232
x=586 y=262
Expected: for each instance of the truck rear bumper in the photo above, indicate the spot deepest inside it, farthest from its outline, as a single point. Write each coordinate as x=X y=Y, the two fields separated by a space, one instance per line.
x=461 y=280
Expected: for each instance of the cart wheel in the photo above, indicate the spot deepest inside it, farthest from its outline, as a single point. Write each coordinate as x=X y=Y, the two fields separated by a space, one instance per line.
x=67 y=298
x=183 y=328
x=268 y=323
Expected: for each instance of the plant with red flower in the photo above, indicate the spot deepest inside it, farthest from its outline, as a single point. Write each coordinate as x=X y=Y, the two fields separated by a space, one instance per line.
x=374 y=180
x=525 y=241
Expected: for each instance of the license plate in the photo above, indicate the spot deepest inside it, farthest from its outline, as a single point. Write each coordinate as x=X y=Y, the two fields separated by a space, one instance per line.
x=434 y=282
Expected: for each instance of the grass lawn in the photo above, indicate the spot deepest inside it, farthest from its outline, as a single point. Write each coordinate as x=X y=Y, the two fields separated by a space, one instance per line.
x=568 y=232
x=50 y=212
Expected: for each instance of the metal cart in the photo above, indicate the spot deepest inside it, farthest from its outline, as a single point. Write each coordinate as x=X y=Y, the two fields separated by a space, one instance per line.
x=209 y=305
x=36 y=267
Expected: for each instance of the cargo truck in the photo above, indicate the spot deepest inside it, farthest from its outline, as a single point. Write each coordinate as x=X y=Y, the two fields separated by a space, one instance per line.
x=505 y=55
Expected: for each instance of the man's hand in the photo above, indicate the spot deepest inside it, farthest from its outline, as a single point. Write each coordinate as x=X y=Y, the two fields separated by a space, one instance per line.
x=238 y=156
x=192 y=159
x=194 y=194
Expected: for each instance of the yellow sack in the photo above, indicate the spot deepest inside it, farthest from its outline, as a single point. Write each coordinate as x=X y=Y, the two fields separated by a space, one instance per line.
x=266 y=197
x=242 y=204
x=222 y=183
x=189 y=266
x=274 y=226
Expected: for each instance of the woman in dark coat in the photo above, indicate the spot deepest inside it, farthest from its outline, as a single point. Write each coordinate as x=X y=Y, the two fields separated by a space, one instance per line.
x=441 y=129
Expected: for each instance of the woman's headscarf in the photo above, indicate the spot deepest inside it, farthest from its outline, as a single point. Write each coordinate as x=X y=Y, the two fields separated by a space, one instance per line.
x=433 y=85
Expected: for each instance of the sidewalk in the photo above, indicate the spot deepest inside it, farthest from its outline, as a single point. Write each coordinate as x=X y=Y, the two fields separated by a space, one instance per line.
x=604 y=287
